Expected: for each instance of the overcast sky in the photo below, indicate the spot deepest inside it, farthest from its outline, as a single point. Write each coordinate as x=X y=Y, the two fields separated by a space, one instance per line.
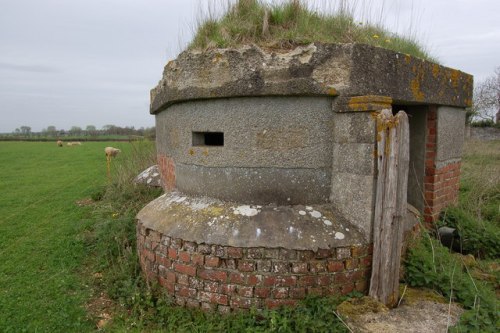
x=92 y=62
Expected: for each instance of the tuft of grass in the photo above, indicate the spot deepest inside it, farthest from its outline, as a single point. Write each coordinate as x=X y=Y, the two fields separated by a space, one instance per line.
x=292 y=23
x=428 y=264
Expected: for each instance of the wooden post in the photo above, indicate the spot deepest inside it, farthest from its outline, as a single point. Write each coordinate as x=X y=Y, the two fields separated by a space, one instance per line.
x=393 y=155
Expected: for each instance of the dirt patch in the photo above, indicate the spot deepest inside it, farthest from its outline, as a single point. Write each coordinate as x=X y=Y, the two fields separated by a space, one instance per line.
x=421 y=312
x=84 y=202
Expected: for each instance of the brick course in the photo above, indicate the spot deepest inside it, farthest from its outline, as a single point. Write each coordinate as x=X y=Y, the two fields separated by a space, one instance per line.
x=440 y=184
x=221 y=278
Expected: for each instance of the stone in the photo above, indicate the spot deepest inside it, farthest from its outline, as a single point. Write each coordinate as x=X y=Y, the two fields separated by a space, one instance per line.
x=149 y=177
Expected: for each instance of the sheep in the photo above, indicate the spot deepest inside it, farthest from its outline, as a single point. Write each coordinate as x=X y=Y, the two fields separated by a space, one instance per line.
x=59 y=143
x=76 y=143
x=110 y=153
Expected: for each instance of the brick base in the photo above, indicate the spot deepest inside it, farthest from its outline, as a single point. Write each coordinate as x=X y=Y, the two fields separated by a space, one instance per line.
x=222 y=278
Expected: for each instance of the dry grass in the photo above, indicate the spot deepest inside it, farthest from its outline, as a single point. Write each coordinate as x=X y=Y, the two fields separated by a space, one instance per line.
x=291 y=23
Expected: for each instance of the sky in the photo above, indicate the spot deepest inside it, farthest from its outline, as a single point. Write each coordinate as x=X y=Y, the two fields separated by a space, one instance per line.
x=67 y=63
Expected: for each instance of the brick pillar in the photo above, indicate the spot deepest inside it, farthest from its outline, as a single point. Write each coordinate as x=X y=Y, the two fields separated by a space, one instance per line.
x=441 y=180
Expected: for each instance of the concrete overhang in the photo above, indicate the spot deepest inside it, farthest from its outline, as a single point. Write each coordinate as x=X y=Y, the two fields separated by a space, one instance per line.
x=315 y=70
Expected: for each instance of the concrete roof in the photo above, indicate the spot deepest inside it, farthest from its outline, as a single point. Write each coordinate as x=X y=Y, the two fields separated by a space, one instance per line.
x=315 y=70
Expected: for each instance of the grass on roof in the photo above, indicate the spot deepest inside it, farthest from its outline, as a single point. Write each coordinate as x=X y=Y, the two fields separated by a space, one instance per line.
x=291 y=23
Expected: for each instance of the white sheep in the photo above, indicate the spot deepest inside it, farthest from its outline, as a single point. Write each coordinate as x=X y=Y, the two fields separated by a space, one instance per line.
x=59 y=143
x=110 y=153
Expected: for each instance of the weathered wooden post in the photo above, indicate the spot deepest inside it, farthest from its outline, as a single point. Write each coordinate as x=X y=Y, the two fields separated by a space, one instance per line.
x=390 y=205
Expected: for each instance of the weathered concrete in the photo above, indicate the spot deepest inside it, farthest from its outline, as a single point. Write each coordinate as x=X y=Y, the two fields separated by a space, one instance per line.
x=318 y=69
x=211 y=221
x=149 y=177
x=256 y=185
x=275 y=149
x=450 y=135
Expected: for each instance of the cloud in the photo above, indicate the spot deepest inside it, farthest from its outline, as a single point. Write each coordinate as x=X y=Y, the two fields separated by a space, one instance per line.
x=29 y=68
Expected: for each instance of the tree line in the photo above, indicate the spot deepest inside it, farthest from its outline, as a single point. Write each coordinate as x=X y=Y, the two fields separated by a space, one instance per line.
x=90 y=131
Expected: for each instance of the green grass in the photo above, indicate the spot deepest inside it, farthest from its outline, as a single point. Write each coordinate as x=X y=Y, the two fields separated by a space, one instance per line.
x=41 y=250
x=292 y=23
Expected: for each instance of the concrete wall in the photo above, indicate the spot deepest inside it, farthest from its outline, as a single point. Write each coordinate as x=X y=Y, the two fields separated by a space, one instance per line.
x=353 y=168
x=276 y=149
x=450 y=133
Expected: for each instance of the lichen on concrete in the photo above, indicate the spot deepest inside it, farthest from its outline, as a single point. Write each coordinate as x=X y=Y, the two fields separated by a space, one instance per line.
x=212 y=221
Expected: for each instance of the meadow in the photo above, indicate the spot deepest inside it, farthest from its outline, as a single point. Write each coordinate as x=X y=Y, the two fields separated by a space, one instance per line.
x=42 y=284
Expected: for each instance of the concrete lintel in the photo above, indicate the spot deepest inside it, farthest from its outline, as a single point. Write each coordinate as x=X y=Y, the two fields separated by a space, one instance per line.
x=366 y=103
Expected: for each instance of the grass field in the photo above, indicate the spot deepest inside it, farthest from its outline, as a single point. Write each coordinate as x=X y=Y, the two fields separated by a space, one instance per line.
x=41 y=251
x=51 y=248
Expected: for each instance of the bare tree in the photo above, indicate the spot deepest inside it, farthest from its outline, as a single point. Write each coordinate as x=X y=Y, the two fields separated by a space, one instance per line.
x=487 y=99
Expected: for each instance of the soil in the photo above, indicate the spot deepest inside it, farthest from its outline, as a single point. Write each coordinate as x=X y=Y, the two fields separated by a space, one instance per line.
x=423 y=311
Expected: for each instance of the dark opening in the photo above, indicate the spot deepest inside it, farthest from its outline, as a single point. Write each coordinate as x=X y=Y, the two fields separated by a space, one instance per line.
x=208 y=139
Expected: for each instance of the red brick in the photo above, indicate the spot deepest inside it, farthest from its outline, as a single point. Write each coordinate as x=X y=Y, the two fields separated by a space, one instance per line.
x=299 y=267
x=365 y=262
x=213 y=298
x=315 y=291
x=208 y=307
x=211 y=286
x=335 y=266
x=192 y=303
x=361 y=286
x=317 y=266
x=347 y=288
x=280 y=267
x=184 y=256
x=307 y=281
x=280 y=281
x=164 y=261
x=197 y=259
x=183 y=279
x=243 y=303
x=185 y=269
x=255 y=253
x=149 y=255
x=246 y=266
x=212 y=261
x=237 y=278
x=213 y=275
x=228 y=289
x=172 y=253
x=244 y=291
x=262 y=292
x=323 y=280
x=359 y=251
x=185 y=292
x=253 y=280
x=351 y=264
x=323 y=253
x=275 y=303
x=171 y=277
x=297 y=293
x=306 y=255
x=280 y=293
x=234 y=252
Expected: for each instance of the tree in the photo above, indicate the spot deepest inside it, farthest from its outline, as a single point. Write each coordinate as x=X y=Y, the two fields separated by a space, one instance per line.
x=91 y=130
x=51 y=130
x=487 y=99
x=75 y=130
x=25 y=130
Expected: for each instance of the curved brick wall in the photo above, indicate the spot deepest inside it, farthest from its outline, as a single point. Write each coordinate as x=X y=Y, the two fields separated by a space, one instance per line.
x=222 y=278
